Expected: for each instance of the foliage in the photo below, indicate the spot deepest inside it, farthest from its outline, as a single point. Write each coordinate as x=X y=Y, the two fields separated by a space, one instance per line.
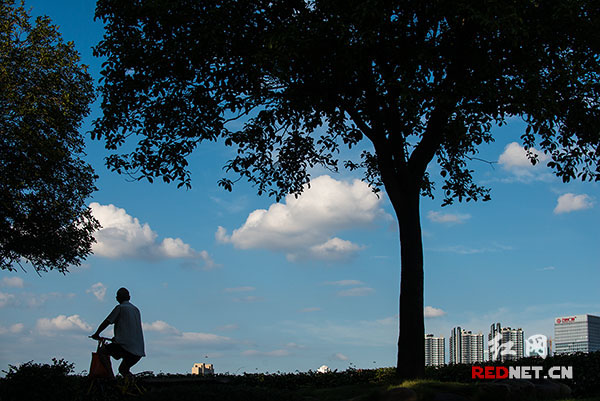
x=43 y=180
x=289 y=83
x=393 y=72
x=34 y=381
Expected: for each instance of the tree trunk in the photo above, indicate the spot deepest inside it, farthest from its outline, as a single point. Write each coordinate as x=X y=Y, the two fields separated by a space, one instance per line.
x=411 y=349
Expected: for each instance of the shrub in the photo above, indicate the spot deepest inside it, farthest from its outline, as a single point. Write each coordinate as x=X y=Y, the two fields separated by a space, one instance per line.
x=30 y=381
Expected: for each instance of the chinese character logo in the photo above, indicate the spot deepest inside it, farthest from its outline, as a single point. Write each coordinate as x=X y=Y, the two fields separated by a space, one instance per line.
x=537 y=345
x=499 y=347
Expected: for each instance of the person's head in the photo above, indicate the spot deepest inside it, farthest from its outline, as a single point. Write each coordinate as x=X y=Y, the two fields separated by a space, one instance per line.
x=122 y=295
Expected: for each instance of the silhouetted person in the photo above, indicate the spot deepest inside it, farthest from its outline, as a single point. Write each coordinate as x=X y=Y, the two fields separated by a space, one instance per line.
x=128 y=342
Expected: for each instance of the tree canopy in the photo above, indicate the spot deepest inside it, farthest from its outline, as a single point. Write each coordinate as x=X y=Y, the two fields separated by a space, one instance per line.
x=288 y=83
x=44 y=183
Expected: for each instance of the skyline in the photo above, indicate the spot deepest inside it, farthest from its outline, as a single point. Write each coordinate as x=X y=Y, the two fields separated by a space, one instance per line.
x=260 y=286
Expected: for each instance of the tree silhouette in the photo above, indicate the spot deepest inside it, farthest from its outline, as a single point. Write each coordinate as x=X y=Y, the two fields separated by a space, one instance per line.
x=288 y=83
x=44 y=95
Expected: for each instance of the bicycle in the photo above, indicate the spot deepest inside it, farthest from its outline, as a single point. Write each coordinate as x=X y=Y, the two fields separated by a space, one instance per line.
x=104 y=385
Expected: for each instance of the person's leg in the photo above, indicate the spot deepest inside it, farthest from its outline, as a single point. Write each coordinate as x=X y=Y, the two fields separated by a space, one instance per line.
x=128 y=361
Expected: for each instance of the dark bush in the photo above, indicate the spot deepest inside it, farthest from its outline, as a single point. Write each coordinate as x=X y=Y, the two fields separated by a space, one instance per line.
x=34 y=381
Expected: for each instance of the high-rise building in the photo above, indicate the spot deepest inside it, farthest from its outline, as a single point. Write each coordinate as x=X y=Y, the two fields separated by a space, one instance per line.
x=505 y=344
x=435 y=351
x=465 y=347
x=578 y=333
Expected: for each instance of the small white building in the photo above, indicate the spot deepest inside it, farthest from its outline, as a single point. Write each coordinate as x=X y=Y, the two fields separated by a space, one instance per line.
x=324 y=369
x=203 y=369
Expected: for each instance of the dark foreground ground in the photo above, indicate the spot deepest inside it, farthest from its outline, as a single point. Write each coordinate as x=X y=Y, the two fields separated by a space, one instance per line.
x=33 y=381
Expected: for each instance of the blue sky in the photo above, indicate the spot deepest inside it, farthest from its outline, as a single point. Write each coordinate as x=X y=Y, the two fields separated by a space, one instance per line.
x=239 y=281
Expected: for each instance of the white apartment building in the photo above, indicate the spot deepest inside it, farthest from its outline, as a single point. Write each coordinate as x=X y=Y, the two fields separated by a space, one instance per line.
x=505 y=344
x=465 y=347
x=435 y=350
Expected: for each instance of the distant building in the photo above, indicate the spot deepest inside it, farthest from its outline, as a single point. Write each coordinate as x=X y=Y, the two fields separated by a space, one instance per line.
x=203 y=369
x=465 y=347
x=505 y=344
x=435 y=351
x=324 y=369
x=578 y=333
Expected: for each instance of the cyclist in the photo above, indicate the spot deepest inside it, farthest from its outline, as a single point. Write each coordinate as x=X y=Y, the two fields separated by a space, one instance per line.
x=128 y=342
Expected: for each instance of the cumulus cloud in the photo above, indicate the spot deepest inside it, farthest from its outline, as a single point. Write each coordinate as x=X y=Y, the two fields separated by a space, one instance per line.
x=159 y=326
x=99 y=291
x=62 y=323
x=304 y=227
x=447 y=218
x=13 y=282
x=333 y=249
x=569 y=202
x=123 y=236
x=274 y=353
x=431 y=312
x=13 y=329
x=186 y=338
x=514 y=159
x=356 y=292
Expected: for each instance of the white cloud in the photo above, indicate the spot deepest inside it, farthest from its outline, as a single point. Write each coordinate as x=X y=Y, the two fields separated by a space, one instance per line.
x=227 y=327
x=6 y=299
x=123 y=236
x=248 y=299
x=13 y=282
x=240 y=289
x=304 y=227
x=186 y=338
x=30 y=300
x=311 y=309
x=569 y=202
x=333 y=249
x=344 y=283
x=62 y=323
x=515 y=156
x=356 y=292
x=466 y=250
x=274 y=353
x=159 y=326
x=340 y=357
x=514 y=159
x=295 y=346
x=431 y=312
x=447 y=218
x=14 y=329
x=203 y=338
x=99 y=291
